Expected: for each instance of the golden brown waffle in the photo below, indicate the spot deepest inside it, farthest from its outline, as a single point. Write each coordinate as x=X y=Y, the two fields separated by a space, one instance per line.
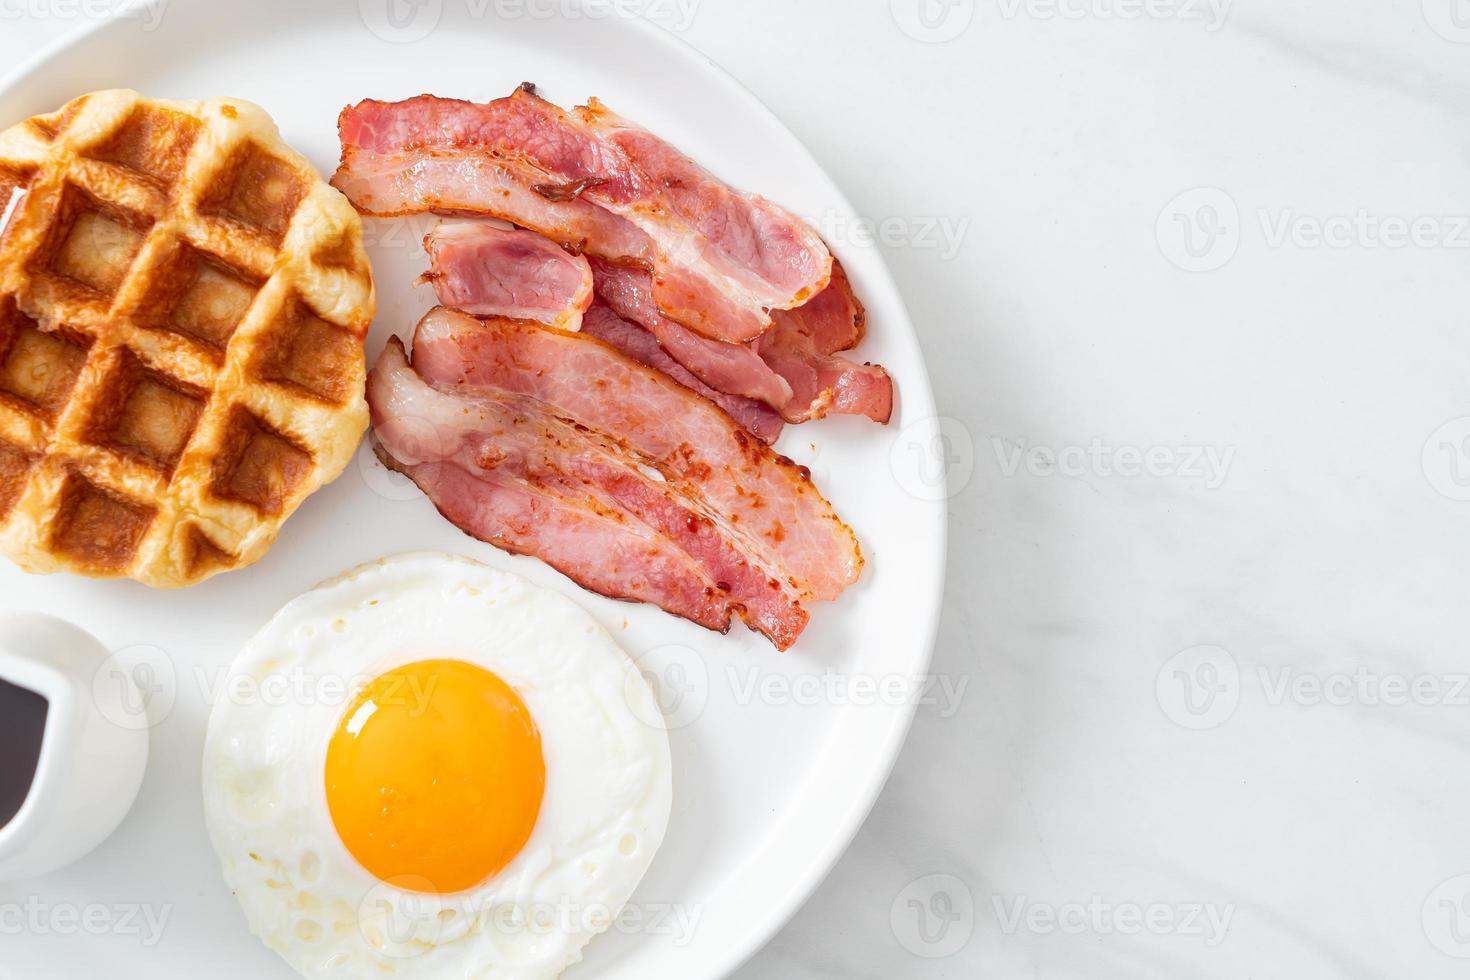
x=183 y=304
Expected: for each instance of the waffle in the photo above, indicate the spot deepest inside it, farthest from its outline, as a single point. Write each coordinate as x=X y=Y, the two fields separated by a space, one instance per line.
x=183 y=305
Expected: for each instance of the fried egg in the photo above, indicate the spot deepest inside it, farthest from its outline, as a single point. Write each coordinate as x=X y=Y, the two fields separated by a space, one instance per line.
x=430 y=768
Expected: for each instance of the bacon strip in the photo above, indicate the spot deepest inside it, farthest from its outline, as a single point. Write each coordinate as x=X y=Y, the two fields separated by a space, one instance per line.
x=803 y=349
x=389 y=183
x=733 y=368
x=835 y=320
x=577 y=478
x=759 y=419
x=761 y=243
x=720 y=258
x=477 y=267
x=756 y=497
x=483 y=269
x=413 y=432
x=471 y=182
x=794 y=368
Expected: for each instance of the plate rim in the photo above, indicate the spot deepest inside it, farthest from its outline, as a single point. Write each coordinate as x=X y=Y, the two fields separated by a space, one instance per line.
x=879 y=770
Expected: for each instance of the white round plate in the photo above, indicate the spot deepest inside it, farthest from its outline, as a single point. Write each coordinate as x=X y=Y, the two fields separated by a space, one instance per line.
x=778 y=758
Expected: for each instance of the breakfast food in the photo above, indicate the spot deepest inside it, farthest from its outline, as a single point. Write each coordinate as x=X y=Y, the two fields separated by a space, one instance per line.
x=795 y=370
x=488 y=270
x=183 y=303
x=633 y=456
x=794 y=367
x=721 y=259
x=557 y=445
x=692 y=260
x=757 y=418
x=478 y=267
x=471 y=781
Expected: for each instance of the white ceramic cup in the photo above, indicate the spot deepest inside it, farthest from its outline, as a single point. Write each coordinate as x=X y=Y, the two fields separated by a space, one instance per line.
x=90 y=767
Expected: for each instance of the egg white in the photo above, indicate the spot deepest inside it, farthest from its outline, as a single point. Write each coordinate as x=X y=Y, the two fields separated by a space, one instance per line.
x=608 y=776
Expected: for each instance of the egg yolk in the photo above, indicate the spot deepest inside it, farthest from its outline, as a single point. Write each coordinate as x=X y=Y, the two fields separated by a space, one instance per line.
x=435 y=776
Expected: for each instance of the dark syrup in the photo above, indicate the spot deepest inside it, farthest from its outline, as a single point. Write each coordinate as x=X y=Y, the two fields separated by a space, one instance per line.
x=22 y=726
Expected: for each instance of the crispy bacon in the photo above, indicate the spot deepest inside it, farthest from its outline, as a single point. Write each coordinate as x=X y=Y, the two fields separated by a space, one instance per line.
x=430 y=438
x=803 y=349
x=794 y=368
x=582 y=482
x=473 y=183
x=835 y=320
x=733 y=368
x=388 y=183
x=761 y=244
x=759 y=419
x=483 y=269
x=480 y=268
x=754 y=496
x=720 y=259
x=634 y=455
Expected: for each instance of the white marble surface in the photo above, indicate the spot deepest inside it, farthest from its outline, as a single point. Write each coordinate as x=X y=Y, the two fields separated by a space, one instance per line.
x=1216 y=685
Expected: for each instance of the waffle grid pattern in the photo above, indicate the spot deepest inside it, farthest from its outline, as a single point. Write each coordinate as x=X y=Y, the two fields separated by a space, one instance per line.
x=183 y=304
